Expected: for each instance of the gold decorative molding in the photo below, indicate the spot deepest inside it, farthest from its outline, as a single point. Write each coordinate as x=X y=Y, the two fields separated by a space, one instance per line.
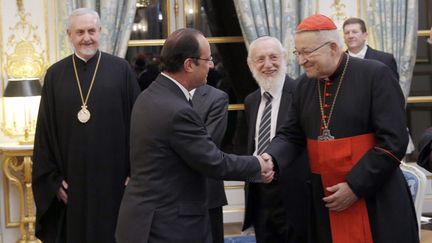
x=212 y=40
x=226 y=39
x=17 y=168
x=153 y=42
x=338 y=15
x=419 y=99
x=27 y=59
x=423 y=32
x=176 y=13
x=338 y=5
x=236 y=107
x=168 y=14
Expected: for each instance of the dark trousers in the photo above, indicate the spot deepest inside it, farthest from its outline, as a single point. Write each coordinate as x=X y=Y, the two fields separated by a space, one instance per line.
x=216 y=224
x=270 y=220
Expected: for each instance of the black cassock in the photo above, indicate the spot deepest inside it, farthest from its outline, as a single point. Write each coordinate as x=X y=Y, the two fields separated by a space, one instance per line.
x=93 y=158
x=369 y=101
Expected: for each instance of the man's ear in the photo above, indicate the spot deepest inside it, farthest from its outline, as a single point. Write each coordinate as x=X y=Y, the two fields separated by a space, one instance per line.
x=334 y=47
x=188 y=65
x=68 y=32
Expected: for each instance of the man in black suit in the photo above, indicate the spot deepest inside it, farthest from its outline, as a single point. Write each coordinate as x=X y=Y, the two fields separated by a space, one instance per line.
x=172 y=154
x=211 y=104
x=278 y=210
x=355 y=36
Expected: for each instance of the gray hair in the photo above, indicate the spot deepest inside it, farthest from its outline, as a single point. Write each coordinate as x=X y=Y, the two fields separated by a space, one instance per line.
x=81 y=11
x=265 y=38
x=330 y=35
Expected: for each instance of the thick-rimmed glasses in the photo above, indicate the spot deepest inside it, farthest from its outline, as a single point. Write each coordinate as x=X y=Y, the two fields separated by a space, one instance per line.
x=307 y=53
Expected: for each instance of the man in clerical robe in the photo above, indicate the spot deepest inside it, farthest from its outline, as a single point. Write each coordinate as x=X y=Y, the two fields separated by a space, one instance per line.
x=349 y=114
x=81 y=150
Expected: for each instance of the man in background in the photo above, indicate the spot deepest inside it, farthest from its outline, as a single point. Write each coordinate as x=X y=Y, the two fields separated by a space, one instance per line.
x=211 y=104
x=277 y=210
x=81 y=150
x=355 y=36
x=172 y=154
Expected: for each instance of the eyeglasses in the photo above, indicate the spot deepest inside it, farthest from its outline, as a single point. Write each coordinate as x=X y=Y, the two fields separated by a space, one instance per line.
x=307 y=53
x=210 y=59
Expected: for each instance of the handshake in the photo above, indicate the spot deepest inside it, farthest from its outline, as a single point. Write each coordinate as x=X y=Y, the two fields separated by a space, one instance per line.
x=266 y=163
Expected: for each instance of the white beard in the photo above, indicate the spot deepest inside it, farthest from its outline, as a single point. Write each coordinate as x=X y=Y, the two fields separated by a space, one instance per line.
x=88 y=51
x=267 y=84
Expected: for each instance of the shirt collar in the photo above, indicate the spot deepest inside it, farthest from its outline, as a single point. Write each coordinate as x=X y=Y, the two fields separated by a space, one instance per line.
x=192 y=92
x=84 y=60
x=361 y=54
x=183 y=89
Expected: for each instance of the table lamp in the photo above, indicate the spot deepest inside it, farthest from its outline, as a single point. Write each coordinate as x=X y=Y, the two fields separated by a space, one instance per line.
x=21 y=100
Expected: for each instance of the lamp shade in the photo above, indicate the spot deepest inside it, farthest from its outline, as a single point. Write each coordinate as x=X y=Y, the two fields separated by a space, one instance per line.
x=23 y=87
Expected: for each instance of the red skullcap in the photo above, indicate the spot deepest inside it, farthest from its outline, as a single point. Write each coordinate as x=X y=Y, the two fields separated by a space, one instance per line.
x=316 y=22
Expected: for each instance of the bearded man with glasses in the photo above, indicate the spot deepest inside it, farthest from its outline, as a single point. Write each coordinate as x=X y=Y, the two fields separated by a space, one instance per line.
x=271 y=210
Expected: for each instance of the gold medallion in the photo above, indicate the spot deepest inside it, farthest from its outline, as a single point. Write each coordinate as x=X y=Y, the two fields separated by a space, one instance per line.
x=83 y=115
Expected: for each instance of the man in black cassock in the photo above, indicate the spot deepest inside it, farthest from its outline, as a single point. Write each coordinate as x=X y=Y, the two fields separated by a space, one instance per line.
x=81 y=151
x=349 y=114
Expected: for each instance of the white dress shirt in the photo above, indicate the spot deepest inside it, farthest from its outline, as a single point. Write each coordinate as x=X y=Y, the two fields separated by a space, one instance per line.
x=361 y=54
x=276 y=93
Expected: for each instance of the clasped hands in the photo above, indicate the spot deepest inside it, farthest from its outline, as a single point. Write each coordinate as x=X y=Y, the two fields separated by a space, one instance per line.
x=266 y=163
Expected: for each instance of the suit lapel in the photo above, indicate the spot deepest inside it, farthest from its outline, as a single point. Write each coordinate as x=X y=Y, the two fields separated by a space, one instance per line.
x=198 y=101
x=284 y=104
x=255 y=102
x=199 y=95
x=171 y=86
x=369 y=53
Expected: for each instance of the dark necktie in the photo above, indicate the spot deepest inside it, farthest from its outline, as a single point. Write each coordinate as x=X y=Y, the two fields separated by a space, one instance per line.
x=265 y=125
x=190 y=102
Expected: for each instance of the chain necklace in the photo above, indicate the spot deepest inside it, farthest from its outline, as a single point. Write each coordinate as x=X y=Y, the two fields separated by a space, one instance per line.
x=84 y=114
x=326 y=135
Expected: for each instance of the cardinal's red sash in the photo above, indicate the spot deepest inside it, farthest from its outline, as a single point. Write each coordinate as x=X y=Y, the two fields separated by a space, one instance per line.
x=333 y=160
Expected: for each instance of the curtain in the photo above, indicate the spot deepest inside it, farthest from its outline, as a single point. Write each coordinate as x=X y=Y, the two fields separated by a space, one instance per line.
x=395 y=29
x=276 y=18
x=117 y=18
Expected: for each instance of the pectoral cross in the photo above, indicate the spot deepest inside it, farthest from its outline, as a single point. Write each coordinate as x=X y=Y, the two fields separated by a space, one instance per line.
x=325 y=135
